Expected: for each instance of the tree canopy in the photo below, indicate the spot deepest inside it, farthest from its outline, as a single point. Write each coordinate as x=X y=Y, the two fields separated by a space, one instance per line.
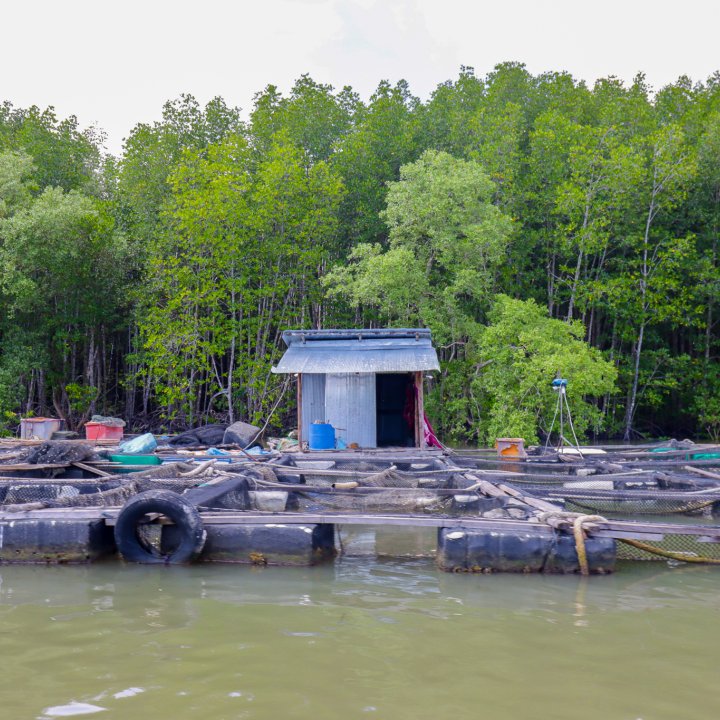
x=534 y=223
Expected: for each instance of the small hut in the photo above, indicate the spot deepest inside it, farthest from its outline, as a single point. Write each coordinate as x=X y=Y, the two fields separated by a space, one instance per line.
x=368 y=384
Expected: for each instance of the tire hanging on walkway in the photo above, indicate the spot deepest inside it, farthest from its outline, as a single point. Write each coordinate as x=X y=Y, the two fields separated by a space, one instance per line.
x=129 y=536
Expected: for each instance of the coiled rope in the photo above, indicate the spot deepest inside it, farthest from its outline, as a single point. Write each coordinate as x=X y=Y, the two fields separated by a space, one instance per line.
x=579 y=532
x=580 y=523
x=580 y=527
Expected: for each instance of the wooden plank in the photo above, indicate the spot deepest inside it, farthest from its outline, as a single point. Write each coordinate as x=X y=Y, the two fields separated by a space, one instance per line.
x=59 y=514
x=690 y=496
x=670 y=463
x=419 y=411
x=531 y=501
x=475 y=523
x=29 y=466
x=53 y=481
x=671 y=453
x=700 y=471
x=620 y=535
x=299 y=402
x=309 y=472
x=90 y=469
x=659 y=527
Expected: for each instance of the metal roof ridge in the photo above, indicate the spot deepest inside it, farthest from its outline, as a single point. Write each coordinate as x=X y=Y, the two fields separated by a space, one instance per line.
x=291 y=336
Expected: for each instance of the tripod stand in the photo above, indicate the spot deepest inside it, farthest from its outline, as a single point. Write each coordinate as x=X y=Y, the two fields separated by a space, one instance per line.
x=559 y=385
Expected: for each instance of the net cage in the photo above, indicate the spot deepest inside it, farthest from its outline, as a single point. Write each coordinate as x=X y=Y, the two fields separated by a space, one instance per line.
x=426 y=486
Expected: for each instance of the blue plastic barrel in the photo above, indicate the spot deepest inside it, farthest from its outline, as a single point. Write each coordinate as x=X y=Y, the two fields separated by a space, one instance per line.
x=321 y=436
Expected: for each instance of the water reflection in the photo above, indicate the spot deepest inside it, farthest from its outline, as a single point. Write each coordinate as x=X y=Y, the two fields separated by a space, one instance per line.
x=167 y=596
x=392 y=638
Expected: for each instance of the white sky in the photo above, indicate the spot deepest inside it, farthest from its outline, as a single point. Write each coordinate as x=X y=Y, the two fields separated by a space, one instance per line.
x=113 y=63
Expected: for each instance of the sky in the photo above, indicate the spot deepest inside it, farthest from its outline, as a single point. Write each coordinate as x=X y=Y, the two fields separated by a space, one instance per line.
x=113 y=64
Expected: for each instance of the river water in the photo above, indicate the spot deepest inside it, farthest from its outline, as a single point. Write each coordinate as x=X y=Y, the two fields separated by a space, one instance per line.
x=360 y=638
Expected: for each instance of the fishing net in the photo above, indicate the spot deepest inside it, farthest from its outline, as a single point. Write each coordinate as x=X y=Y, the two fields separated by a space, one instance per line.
x=674 y=547
x=389 y=478
x=58 y=452
x=29 y=494
x=388 y=501
x=378 y=486
x=108 y=421
x=633 y=495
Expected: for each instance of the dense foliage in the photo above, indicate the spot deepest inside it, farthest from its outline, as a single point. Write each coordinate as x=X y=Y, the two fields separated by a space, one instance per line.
x=535 y=224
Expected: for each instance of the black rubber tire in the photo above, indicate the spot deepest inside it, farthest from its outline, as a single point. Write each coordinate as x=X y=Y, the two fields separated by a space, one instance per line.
x=183 y=514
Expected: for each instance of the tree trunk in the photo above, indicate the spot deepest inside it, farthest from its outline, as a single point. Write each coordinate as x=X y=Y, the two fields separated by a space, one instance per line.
x=632 y=399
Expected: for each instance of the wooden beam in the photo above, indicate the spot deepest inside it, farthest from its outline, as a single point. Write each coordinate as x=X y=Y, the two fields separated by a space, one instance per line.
x=299 y=410
x=90 y=469
x=700 y=471
x=419 y=411
x=30 y=466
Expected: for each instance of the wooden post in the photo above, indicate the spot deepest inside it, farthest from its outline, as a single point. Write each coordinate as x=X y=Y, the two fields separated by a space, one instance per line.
x=299 y=409
x=419 y=412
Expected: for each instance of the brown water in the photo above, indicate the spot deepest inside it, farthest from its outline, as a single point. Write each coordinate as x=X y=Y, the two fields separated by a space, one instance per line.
x=361 y=638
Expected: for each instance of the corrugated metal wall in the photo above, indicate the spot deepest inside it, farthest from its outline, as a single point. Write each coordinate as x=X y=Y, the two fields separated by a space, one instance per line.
x=350 y=407
x=313 y=402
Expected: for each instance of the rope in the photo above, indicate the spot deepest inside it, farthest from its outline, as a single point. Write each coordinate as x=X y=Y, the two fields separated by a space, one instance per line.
x=199 y=470
x=671 y=554
x=579 y=533
x=579 y=525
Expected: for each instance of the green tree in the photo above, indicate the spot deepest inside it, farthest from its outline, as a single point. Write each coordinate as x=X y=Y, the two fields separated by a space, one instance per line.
x=238 y=260
x=446 y=241
x=656 y=272
x=522 y=351
x=382 y=139
x=62 y=286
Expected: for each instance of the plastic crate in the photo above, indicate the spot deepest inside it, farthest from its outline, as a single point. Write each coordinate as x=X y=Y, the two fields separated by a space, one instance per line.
x=98 y=431
x=38 y=428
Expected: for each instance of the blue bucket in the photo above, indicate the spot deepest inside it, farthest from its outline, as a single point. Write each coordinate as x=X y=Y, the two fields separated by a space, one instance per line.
x=321 y=436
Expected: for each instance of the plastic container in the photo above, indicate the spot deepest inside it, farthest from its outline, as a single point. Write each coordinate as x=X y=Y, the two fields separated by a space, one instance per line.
x=136 y=459
x=510 y=447
x=140 y=445
x=38 y=428
x=98 y=431
x=321 y=436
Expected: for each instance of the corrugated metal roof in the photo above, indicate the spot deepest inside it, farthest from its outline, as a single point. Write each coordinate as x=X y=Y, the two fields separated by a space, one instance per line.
x=364 y=351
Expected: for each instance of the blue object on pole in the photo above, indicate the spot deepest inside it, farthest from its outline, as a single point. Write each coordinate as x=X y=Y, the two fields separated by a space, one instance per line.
x=559 y=382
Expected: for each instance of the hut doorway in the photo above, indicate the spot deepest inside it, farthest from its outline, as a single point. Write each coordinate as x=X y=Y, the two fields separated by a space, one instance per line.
x=395 y=404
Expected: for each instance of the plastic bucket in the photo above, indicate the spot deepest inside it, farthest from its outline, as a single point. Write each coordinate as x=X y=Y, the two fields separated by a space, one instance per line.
x=321 y=436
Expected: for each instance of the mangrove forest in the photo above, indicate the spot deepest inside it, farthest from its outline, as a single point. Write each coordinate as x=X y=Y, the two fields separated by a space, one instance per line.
x=535 y=224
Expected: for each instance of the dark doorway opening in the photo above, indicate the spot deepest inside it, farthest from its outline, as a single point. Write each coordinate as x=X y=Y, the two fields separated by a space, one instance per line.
x=395 y=403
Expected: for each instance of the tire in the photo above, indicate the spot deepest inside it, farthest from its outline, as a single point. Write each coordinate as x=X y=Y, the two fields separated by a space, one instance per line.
x=178 y=509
